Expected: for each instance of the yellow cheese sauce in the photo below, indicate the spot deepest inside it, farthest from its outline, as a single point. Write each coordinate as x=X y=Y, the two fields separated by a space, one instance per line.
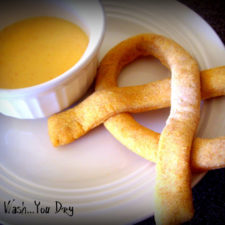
x=38 y=49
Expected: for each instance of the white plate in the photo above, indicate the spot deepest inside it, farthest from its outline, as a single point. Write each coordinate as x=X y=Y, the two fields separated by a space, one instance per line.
x=100 y=178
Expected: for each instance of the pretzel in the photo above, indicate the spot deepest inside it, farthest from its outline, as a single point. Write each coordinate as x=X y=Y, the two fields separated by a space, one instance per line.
x=61 y=126
x=173 y=201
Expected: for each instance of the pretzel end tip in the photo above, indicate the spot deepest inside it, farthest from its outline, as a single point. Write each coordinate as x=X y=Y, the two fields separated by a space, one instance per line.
x=63 y=129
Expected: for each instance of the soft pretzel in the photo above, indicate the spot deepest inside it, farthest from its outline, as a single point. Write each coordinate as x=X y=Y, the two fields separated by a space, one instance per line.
x=171 y=150
x=173 y=204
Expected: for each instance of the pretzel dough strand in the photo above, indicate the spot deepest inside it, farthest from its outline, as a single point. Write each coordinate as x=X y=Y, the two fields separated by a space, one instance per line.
x=213 y=82
x=69 y=125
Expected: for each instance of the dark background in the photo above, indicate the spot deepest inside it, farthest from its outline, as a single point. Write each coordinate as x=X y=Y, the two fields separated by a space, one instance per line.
x=209 y=193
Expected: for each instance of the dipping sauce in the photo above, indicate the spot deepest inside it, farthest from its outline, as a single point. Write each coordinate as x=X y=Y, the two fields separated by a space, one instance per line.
x=38 y=49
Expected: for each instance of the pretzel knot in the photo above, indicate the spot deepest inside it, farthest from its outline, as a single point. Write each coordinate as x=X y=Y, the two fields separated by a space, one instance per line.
x=170 y=150
x=176 y=138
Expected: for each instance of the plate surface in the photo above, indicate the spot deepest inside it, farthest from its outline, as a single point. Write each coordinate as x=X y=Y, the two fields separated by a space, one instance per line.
x=100 y=178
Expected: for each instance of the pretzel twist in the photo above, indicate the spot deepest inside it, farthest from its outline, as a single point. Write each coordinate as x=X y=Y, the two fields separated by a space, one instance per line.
x=103 y=105
x=171 y=149
x=173 y=193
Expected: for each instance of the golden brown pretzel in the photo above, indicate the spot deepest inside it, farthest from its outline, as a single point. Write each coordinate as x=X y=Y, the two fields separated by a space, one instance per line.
x=142 y=141
x=173 y=192
x=85 y=117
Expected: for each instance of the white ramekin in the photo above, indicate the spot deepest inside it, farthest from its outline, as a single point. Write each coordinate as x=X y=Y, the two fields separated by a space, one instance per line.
x=55 y=95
